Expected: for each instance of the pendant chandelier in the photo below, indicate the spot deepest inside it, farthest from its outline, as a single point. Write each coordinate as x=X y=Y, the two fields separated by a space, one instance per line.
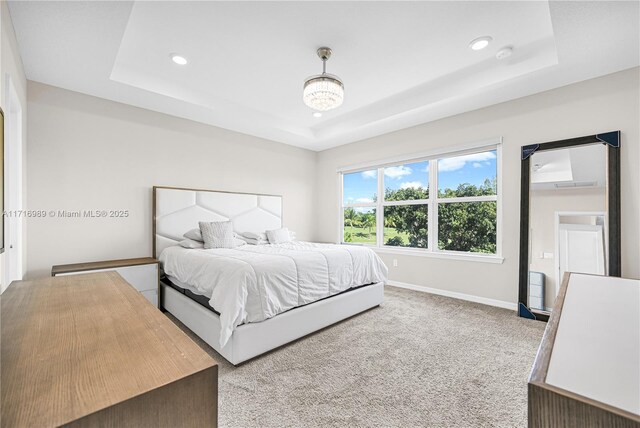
x=324 y=91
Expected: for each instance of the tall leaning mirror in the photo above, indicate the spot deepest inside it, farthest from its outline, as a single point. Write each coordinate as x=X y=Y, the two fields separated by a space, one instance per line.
x=569 y=216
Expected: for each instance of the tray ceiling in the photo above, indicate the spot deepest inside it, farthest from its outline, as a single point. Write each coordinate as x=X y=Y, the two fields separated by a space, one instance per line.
x=402 y=63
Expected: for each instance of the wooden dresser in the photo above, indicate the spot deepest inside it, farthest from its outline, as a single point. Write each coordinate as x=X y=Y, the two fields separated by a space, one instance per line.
x=90 y=350
x=587 y=371
x=143 y=273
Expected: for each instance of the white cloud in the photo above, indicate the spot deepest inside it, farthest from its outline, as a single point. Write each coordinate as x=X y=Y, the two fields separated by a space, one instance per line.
x=369 y=174
x=411 y=185
x=364 y=200
x=454 y=164
x=397 y=171
x=477 y=165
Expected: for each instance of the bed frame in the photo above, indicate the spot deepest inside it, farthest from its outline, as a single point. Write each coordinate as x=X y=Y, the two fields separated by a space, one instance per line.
x=177 y=210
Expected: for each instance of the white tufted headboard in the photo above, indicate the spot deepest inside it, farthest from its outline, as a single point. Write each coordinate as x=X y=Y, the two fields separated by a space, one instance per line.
x=176 y=211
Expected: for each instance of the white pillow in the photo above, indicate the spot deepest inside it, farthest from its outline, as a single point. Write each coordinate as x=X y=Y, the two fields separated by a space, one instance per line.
x=256 y=236
x=278 y=236
x=217 y=234
x=253 y=241
x=191 y=244
x=194 y=234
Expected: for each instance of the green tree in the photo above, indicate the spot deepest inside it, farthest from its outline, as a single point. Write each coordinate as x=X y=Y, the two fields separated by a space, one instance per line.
x=369 y=221
x=412 y=220
x=349 y=215
x=467 y=226
x=462 y=226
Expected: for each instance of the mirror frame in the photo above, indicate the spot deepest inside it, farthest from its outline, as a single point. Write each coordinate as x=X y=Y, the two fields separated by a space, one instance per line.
x=612 y=141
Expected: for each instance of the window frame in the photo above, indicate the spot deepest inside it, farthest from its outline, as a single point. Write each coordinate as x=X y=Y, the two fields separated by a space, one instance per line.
x=432 y=202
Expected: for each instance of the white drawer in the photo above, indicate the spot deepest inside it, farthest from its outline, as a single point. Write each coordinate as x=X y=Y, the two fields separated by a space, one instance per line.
x=142 y=277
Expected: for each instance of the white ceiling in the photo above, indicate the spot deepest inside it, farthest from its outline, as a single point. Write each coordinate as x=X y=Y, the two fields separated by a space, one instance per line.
x=580 y=166
x=402 y=63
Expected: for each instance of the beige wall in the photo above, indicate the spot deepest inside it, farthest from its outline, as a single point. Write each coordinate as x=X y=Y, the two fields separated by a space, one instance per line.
x=542 y=232
x=605 y=104
x=88 y=153
x=11 y=65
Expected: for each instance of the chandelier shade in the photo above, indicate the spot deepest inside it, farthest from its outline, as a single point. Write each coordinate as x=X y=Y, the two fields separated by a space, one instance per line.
x=324 y=91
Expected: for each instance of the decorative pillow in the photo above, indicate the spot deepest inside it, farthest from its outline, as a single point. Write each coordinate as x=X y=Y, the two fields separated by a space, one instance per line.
x=194 y=234
x=253 y=241
x=190 y=243
x=217 y=234
x=278 y=236
x=256 y=236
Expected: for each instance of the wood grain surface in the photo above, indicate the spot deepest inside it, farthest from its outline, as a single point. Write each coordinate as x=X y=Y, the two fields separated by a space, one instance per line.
x=90 y=346
x=107 y=264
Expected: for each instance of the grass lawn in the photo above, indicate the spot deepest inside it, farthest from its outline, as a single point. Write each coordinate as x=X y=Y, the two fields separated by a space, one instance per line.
x=362 y=235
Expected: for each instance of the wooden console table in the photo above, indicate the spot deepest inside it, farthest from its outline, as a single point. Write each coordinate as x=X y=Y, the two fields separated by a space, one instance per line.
x=89 y=350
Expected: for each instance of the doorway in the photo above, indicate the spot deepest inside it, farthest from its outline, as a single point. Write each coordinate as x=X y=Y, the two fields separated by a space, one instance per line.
x=13 y=185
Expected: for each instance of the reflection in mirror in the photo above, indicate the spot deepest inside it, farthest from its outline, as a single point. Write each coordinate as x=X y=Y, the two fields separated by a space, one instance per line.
x=567 y=227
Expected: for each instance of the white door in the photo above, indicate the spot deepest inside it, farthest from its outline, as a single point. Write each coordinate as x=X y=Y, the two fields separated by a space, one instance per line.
x=13 y=185
x=581 y=249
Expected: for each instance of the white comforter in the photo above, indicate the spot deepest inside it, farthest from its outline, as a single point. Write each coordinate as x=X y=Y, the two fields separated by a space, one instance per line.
x=255 y=282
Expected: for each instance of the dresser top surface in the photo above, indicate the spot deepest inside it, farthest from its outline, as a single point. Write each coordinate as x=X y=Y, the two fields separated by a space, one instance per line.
x=73 y=345
x=105 y=264
x=599 y=356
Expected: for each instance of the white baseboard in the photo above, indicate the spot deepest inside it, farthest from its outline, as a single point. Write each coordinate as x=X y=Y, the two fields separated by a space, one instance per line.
x=455 y=295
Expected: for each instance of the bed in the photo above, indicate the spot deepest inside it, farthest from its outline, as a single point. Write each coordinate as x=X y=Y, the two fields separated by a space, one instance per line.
x=251 y=299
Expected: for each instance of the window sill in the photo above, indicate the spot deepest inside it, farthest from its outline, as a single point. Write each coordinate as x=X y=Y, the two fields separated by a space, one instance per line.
x=440 y=255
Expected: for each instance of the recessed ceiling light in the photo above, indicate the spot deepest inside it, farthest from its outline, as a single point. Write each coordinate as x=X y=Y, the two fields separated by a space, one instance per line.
x=480 y=43
x=317 y=114
x=180 y=60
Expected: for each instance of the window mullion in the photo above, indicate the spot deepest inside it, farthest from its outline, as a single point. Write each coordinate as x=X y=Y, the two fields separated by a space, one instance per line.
x=462 y=199
x=433 y=205
x=407 y=202
x=341 y=210
x=380 y=209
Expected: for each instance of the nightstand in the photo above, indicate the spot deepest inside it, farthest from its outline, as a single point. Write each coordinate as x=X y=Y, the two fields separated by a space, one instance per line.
x=142 y=273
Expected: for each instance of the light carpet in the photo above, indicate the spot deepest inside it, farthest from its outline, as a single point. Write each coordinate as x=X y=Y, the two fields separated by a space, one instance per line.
x=418 y=360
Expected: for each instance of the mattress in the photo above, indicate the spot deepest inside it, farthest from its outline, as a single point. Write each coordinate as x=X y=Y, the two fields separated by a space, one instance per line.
x=253 y=283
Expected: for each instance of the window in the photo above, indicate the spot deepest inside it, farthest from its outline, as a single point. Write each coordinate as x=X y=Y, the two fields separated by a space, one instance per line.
x=467 y=203
x=406 y=196
x=359 y=207
x=439 y=204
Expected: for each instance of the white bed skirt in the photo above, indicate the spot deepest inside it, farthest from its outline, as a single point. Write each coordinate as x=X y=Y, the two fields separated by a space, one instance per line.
x=253 y=339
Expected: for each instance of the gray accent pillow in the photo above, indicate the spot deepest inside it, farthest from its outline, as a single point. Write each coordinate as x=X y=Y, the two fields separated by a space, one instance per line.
x=194 y=234
x=217 y=234
x=191 y=244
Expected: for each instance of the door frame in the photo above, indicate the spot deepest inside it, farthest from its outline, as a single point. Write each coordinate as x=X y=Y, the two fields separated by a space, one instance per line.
x=559 y=214
x=13 y=196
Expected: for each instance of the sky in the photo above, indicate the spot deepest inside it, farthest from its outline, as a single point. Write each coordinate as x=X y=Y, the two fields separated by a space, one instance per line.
x=361 y=187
